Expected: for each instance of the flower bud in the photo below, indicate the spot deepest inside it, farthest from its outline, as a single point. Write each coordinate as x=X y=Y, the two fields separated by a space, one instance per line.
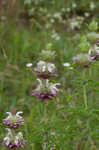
x=93 y=37
x=47 y=54
x=84 y=46
x=93 y=26
x=49 y=46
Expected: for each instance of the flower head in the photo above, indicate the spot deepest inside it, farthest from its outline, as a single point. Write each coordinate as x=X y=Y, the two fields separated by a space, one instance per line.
x=68 y=9
x=93 y=37
x=47 y=54
x=13 y=120
x=45 y=70
x=94 y=52
x=82 y=60
x=14 y=141
x=29 y=65
x=46 y=90
x=92 y=6
x=87 y=14
x=74 y=5
x=76 y=22
x=66 y=64
x=55 y=36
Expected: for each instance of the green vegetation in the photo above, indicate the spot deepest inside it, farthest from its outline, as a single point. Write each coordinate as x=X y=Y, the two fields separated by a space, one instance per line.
x=69 y=121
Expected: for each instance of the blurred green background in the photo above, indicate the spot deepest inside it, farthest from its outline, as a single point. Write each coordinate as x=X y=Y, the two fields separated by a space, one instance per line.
x=26 y=27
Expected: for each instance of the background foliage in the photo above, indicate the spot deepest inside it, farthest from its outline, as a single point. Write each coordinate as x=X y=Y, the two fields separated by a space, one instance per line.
x=26 y=27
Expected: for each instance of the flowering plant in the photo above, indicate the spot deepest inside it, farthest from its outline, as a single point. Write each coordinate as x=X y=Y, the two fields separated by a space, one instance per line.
x=45 y=70
x=13 y=120
x=14 y=141
x=45 y=90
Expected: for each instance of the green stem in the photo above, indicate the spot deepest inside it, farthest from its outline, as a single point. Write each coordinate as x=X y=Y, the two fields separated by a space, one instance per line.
x=46 y=111
x=85 y=91
x=85 y=96
x=90 y=72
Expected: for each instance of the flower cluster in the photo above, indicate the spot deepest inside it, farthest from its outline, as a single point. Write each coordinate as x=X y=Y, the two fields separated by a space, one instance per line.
x=13 y=140
x=94 y=52
x=47 y=54
x=82 y=59
x=13 y=120
x=46 y=90
x=67 y=15
x=45 y=70
x=76 y=22
x=88 y=47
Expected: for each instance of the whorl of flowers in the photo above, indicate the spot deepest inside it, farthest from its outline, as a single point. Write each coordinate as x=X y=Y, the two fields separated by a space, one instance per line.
x=94 y=52
x=88 y=47
x=76 y=22
x=45 y=90
x=13 y=120
x=93 y=37
x=14 y=140
x=82 y=60
x=45 y=70
x=47 y=54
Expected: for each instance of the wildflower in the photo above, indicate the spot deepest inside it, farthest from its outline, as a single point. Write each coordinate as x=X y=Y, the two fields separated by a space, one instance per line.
x=14 y=141
x=76 y=22
x=46 y=90
x=93 y=26
x=55 y=36
x=13 y=120
x=92 y=6
x=74 y=25
x=87 y=14
x=84 y=45
x=66 y=64
x=82 y=60
x=47 y=54
x=19 y=141
x=45 y=70
x=68 y=9
x=63 y=9
x=52 y=20
x=93 y=37
x=49 y=46
x=74 y=5
x=94 y=52
x=57 y=16
x=29 y=65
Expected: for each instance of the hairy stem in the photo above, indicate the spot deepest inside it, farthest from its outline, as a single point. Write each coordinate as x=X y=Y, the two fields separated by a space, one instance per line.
x=85 y=91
